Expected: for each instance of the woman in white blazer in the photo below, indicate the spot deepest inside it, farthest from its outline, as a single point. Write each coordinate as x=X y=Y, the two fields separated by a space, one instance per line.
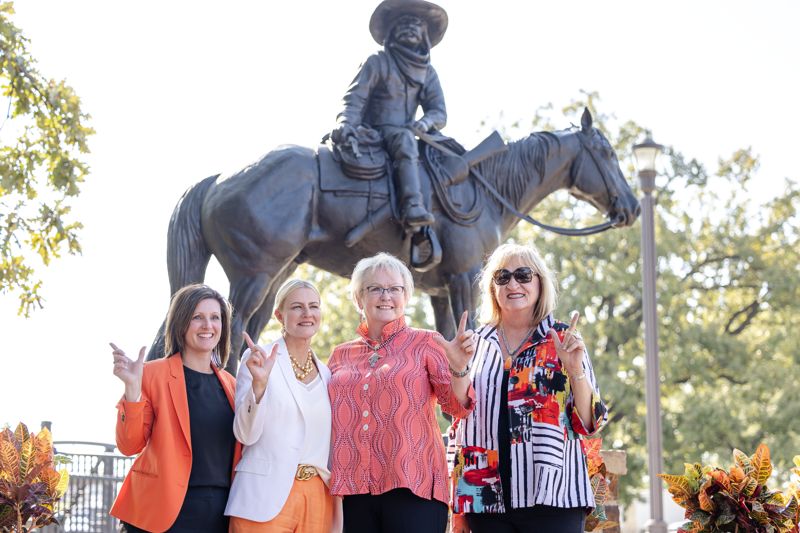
x=283 y=418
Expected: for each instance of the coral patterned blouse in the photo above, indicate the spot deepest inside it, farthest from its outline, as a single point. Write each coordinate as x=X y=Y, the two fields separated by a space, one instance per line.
x=385 y=434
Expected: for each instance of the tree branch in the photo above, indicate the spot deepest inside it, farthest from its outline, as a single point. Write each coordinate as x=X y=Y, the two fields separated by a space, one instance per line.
x=750 y=311
x=708 y=261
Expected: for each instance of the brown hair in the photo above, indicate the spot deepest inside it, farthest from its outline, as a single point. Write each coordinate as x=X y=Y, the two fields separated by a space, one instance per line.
x=181 y=309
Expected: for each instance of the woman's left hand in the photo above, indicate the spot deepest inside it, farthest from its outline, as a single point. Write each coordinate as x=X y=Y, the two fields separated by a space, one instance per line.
x=460 y=350
x=570 y=349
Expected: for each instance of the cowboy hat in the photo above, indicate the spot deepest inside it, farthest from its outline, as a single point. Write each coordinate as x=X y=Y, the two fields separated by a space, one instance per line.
x=388 y=11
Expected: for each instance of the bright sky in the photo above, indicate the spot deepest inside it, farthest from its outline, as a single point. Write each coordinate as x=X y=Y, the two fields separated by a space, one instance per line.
x=182 y=90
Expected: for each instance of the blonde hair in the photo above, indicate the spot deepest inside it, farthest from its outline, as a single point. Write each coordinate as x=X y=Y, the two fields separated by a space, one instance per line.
x=530 y=256
x=380 y=261
x=287 y=287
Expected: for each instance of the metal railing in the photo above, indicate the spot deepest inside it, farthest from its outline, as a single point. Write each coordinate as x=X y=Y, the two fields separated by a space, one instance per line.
x=94 y=480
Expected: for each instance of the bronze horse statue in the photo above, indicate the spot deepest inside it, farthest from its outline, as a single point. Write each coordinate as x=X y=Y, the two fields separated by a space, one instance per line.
x=271 y=216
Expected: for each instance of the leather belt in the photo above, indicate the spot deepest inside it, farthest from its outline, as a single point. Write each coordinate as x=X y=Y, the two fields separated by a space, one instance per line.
x=305 y=472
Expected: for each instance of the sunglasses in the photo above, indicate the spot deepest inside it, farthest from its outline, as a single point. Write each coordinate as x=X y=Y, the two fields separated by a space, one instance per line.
x=522 y=275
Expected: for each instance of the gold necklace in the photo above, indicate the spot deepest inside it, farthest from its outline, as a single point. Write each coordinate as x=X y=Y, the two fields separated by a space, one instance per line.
x=301 y=371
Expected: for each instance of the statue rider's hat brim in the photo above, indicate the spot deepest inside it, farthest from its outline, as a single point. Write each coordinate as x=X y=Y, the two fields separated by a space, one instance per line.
x=388 y=11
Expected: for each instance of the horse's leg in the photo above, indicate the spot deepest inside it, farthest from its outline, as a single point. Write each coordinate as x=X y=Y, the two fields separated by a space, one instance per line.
x=263 y=314
x=443 y=316
x=464 y=295
x=247 y=295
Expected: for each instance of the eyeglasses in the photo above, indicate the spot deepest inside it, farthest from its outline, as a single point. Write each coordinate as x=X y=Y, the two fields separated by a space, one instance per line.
x=394 y=290
x=522 y=275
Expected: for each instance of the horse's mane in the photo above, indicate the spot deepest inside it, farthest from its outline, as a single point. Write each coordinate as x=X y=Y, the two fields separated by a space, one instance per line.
x=512 y=172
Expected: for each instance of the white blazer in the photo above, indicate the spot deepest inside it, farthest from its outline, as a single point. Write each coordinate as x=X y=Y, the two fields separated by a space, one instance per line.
x=273 y=434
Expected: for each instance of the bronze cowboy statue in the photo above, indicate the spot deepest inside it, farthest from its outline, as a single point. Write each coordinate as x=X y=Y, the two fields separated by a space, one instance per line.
x=380 y=108
x=295 y=205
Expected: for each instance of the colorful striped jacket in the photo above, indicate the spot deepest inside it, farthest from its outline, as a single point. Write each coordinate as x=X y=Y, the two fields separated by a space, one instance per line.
x=548 y=462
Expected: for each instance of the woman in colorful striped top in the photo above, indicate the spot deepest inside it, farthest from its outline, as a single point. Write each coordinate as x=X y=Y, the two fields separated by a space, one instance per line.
x=519 y=465
x=387 y=456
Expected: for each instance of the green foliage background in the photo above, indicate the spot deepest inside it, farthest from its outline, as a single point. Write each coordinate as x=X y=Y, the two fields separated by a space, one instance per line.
x=43 y=135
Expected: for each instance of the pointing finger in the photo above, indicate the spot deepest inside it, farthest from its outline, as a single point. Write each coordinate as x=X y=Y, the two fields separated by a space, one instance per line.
x=114 y=346
x=462 y=325
x=573 y=323
x=248 y=340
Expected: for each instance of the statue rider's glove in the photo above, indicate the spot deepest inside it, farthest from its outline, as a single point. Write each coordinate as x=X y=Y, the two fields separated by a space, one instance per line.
x=421 y=126
x=342 y=132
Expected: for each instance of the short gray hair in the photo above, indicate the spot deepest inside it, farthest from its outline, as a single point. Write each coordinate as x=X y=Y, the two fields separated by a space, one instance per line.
x=380 y=261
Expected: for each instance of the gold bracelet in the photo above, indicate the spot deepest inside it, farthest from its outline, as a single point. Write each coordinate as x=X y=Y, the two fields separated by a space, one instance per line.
x=579 y=377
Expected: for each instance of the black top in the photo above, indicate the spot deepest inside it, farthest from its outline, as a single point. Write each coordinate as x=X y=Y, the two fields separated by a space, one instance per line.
x=211 y=425
x=504 y=443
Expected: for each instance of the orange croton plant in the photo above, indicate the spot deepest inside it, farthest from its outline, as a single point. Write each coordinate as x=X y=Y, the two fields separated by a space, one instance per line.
x=736 y=500
x=30 y=486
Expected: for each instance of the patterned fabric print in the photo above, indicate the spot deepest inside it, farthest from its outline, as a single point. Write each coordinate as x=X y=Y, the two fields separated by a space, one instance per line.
x=548 y=464
x=537 y=394
x=476 y=481
x=385 y=434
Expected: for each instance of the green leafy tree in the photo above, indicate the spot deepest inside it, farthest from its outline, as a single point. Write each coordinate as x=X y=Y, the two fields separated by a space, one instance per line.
x=43 y=133
x=728 y=303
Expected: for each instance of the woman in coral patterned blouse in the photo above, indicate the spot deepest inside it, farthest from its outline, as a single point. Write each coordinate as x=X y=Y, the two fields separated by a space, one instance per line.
x=387 y=455
x=519 y=464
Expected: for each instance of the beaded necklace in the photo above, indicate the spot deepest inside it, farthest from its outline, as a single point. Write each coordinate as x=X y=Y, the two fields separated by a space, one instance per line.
x=373 y=359
x=301 y=371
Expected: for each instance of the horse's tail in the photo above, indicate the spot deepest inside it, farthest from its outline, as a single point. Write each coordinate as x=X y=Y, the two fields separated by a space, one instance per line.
x=187 y=252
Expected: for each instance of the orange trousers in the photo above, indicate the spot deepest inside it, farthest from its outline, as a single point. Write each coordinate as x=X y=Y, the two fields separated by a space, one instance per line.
x=308 y=509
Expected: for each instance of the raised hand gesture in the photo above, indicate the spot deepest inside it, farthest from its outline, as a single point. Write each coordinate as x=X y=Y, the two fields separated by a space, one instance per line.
x=460 y=350
x=260 y=365
x=570 y=349
x=129 y=371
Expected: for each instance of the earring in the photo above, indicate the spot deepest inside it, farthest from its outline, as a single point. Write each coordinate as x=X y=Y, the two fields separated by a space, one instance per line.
x=283 y=330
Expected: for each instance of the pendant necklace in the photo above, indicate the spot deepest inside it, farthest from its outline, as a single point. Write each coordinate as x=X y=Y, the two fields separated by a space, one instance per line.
x=511 y=353
x=373 y=359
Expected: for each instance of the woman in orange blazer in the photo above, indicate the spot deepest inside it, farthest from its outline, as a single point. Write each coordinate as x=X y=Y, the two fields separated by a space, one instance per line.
x=177 y=414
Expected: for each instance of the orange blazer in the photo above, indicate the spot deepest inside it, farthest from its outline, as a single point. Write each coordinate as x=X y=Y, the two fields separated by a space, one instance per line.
x=158 y=426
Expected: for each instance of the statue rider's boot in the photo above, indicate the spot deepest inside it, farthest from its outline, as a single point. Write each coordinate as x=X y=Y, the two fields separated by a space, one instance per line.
x=413 y=208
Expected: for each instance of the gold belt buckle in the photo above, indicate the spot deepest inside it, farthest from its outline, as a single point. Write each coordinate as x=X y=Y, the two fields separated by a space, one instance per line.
x=305 y=472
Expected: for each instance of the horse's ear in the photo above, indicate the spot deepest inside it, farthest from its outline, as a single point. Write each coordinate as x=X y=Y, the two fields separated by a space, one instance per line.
x=586 y=121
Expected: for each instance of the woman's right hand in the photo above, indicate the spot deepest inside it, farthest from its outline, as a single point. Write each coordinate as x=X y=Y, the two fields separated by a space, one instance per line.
x=260 y=365
x=129 y=372
x=458 y=524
